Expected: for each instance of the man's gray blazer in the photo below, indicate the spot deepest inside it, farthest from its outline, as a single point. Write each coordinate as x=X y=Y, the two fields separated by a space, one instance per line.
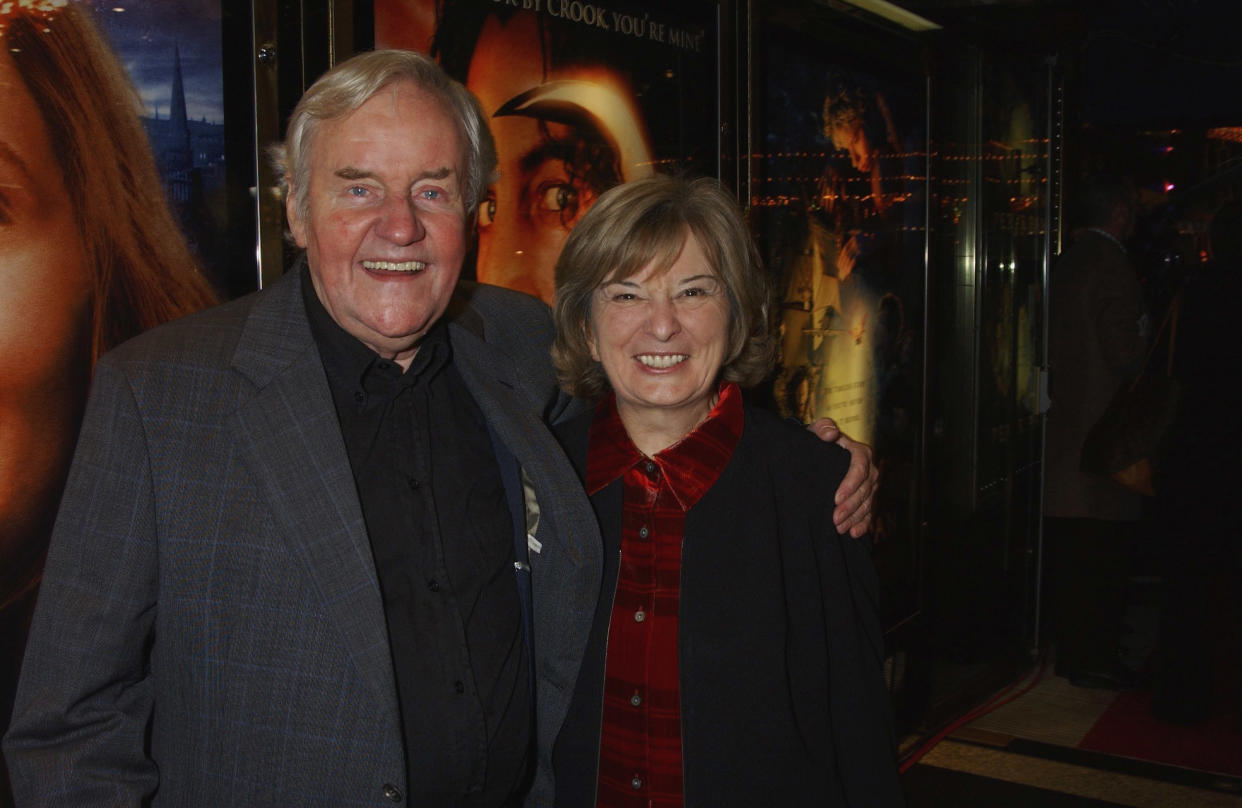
x=210 y=630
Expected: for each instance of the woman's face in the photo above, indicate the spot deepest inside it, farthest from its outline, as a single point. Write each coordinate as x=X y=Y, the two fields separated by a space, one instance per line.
x=662 y=338
x=45 y=314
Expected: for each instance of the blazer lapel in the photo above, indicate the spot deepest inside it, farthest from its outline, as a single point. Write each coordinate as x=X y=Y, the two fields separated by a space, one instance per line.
x=566 y=568
x=292 y=441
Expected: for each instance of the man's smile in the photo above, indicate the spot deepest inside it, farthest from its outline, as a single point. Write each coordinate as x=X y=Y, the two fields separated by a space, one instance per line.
x=395 y=266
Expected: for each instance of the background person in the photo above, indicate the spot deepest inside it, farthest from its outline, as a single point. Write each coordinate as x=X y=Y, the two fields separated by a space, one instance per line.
x=1096 y=342
x=89 y=256
x=735 y=656
x=1196 y=498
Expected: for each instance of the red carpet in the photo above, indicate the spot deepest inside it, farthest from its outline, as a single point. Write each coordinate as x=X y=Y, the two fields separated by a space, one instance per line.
x=1127 y=729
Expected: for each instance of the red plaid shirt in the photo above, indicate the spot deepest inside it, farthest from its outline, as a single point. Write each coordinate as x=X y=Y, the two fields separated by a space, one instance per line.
x=640 y=741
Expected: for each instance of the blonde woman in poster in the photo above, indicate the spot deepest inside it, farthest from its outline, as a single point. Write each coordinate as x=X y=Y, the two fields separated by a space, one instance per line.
x=89 y=256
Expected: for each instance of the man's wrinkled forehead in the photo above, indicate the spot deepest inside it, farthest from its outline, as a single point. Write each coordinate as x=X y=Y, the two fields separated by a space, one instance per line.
x=386 y=100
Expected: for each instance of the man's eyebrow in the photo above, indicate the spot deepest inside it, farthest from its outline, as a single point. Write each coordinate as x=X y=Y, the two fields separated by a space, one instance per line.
x=350 y=173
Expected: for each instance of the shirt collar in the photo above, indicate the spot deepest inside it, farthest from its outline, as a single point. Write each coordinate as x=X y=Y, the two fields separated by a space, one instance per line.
x=354 y=368
x=691 y=466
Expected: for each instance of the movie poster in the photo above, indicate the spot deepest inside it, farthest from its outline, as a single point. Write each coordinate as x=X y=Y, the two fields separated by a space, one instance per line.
x=106 y=213
x=580 y=96
x=1013 y=200
x=173 y=55
x=839 y=202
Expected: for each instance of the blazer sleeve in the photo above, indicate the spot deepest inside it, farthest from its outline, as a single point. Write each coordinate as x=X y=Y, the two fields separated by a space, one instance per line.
x=1119 y=308
x=84 y=699
x=859 y=704
x=862 y=721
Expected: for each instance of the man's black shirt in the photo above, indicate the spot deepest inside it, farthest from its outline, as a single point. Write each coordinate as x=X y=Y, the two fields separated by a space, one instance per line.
x=441 y=536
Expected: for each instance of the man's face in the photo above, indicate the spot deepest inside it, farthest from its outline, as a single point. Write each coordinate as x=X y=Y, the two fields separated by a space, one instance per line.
x=526 y=218
x=386 y=230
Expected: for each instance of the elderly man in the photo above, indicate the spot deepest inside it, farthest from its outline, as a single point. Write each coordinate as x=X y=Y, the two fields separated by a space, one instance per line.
x=294 y=560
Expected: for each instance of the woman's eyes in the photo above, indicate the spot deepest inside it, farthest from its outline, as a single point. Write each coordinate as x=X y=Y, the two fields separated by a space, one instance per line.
x=694 y=294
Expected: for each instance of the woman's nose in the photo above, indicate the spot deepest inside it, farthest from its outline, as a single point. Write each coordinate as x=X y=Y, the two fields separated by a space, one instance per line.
x=662 y=321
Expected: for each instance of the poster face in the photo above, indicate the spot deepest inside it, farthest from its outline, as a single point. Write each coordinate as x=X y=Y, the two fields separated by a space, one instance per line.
x=106 y=210
x=839 y=203
x=579 y=96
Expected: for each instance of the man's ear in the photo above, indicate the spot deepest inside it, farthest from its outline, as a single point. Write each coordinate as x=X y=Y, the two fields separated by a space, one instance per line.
x=297 y=227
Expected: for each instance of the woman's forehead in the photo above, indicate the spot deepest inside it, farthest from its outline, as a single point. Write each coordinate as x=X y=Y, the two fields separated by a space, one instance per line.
x=655 y=264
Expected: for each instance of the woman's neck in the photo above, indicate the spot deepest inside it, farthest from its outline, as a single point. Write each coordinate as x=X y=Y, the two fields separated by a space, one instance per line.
x=655 y=429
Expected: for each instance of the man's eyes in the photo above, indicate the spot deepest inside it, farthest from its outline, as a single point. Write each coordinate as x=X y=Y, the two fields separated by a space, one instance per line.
x=427 y=194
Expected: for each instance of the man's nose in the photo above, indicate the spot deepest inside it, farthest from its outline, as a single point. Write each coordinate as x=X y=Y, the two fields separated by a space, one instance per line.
x=399 y=221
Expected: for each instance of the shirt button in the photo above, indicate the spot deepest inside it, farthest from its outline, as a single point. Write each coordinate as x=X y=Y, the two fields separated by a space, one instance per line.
x=360 y=396
x=433 y=585
x=459 y=686
x=636 y=699
x=636 y=782
x=650 y=468
x=392 y=793
x=413 y=483
x=640 y=616
x=643 y=532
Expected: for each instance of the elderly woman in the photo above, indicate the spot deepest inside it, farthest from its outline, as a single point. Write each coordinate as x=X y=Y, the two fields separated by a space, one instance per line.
x=735 y=657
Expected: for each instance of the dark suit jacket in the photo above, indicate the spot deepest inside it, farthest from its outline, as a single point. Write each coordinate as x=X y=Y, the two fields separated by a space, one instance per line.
x=780 y=650
x=210 y=630
x=1094 y=345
